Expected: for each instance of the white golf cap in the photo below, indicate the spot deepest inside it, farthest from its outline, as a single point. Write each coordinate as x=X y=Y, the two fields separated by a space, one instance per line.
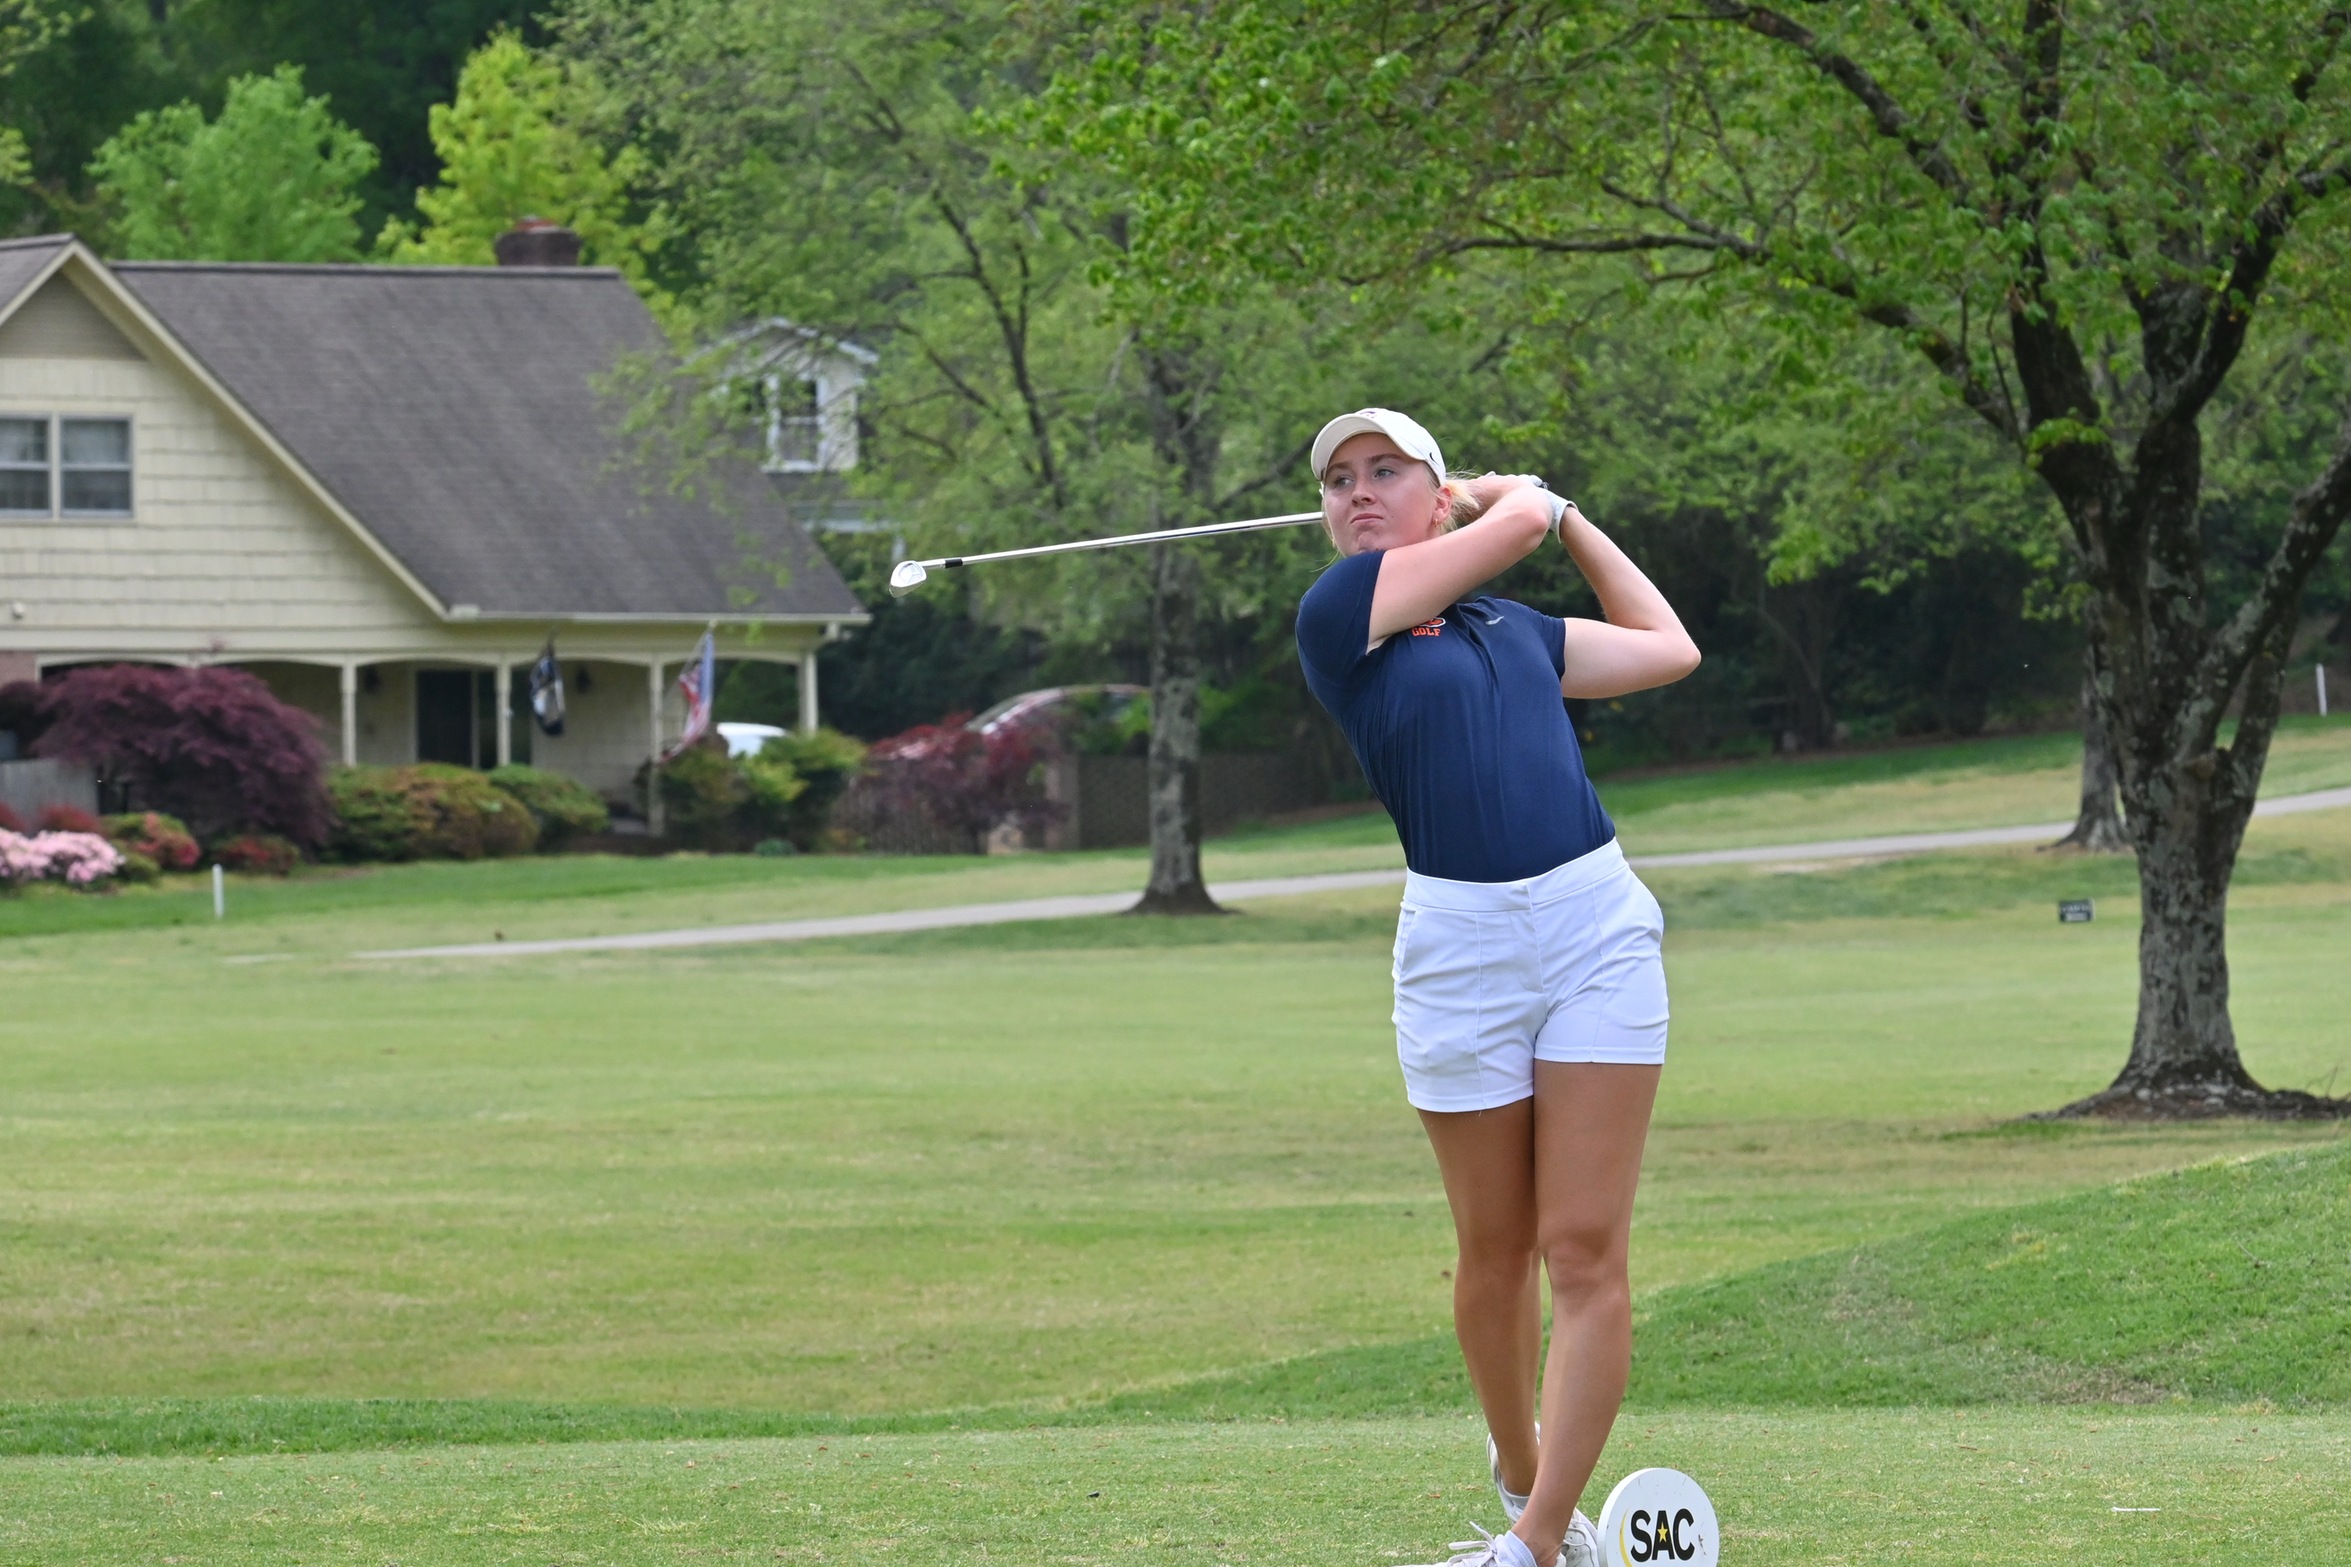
x=1411 y=440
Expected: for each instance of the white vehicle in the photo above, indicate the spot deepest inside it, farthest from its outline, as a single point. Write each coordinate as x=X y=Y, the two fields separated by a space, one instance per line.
x=747 y=739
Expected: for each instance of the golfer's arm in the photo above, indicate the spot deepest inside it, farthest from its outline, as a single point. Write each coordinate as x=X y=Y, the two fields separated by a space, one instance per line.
x=1641 y=644
x=1421 y=581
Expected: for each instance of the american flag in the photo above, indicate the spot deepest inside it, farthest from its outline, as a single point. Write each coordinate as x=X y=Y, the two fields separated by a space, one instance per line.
x=699 y=681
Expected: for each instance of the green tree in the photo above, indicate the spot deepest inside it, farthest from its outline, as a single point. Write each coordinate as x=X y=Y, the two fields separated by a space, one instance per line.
x=270 y=180
x=27 y=27
x=2078 y=217
x=384 y=62
x=848 y=171
x=510 y=148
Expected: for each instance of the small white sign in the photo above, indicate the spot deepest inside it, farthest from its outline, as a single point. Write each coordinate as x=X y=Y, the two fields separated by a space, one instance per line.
x=1658 y=1518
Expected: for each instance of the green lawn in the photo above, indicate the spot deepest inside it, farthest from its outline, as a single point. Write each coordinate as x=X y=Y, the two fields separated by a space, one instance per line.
x=1978 y=784
x=1149 y=1183
x=1795 y=1489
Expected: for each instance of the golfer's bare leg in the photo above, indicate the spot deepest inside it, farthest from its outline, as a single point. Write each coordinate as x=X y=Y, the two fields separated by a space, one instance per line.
x=1590 y=1123
x=1487 y=1158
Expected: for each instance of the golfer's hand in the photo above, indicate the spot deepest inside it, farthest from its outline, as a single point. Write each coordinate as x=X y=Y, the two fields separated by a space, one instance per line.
x=1487 y=488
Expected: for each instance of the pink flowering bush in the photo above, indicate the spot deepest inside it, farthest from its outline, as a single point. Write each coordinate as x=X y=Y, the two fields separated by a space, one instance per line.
x=79 y=859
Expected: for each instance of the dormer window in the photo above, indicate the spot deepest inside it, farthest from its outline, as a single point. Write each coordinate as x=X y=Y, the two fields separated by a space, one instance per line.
x=800 y=390
x=795 y=425
x=69 y=467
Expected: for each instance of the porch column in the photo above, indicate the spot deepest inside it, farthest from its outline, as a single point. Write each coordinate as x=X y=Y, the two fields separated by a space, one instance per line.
x=808 y=692
x=653 y=821
x=350 y=713
x=504 y=702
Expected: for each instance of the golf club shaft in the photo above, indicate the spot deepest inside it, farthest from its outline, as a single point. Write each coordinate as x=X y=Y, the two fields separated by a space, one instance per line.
x=1163 y=535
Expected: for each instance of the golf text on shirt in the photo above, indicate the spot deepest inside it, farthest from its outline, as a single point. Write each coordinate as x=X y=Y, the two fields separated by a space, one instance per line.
x=1459 y=726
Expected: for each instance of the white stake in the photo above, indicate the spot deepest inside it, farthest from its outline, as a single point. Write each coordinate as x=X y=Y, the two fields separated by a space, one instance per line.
x=2322 y=690
x=220 y=899
x=908 y=575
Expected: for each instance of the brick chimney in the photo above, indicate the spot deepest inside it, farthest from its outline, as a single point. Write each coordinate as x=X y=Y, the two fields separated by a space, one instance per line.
x=535 y=242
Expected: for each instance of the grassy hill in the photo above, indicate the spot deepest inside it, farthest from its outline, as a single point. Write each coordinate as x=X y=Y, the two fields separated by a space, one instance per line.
x=2227 y=1282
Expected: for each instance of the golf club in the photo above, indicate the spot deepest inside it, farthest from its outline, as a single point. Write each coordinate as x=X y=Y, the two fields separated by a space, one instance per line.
x=908 y=575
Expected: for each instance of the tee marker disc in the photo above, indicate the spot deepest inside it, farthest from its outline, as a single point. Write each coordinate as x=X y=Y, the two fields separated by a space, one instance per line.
x=1658 y=1518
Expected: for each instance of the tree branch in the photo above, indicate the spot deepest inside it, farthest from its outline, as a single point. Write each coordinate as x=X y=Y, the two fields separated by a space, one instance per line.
x=1891 y=119
x=2316 y=517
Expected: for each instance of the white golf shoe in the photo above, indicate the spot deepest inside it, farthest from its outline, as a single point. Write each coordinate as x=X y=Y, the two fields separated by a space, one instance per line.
x=1581 y=1548
x=1489 y=1550
x=1513 y=1504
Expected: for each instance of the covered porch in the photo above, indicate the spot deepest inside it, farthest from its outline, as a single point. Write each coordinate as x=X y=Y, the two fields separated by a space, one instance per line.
x=467 y=702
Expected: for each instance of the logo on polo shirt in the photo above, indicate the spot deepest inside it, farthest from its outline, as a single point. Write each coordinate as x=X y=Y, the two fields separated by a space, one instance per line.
x=1429 y=628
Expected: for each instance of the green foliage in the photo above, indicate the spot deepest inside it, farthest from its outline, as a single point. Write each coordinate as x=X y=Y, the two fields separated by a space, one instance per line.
x=428 y=811
x=563 y=807
x=163 y=839
x=702 y=796
x=770 y=786
x=375 y=820
x=511 y=147
x=271 y=179
x=822 y=762
x=786 y=792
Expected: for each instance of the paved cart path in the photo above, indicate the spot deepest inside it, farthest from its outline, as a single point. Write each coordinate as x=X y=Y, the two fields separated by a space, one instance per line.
x=1269 y=887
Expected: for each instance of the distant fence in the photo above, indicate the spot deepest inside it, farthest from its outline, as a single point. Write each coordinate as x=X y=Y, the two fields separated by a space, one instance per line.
x=2307 y=691
x=1108 y=798
x=28 y=788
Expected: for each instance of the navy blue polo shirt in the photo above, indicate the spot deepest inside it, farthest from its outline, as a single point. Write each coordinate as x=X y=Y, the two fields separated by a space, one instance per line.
x=1459 y=726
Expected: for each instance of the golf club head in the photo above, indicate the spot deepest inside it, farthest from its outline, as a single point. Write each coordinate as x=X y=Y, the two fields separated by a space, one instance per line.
x=905 y=577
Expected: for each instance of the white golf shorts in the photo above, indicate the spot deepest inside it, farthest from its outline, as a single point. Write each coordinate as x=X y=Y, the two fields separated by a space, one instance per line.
x=1492 y=977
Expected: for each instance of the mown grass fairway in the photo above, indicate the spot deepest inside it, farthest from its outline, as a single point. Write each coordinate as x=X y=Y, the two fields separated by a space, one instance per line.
x=1149 y=1182
x=1796 y=1488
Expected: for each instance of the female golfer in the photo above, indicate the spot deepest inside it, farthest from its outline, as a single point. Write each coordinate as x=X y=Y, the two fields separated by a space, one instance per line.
x=1530 y=996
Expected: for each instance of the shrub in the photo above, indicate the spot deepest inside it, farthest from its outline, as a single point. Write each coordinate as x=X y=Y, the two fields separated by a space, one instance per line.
x=375 y=817
x=702 y=789
x=825 y=761
x=945 y=785
x=429 y=811
x=165 y=840
x=467 y=817
x=137 y=867
x=563 y=807
x=79 y=859
x=68 y=818
x=211 y=746
x=257 y=854
x=770 y=790
x=9 y=820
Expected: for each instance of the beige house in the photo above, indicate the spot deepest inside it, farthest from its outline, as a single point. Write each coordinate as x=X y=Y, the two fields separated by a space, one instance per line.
x=383 y=489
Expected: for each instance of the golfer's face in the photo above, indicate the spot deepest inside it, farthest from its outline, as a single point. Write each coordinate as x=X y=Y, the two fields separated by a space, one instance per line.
x=1376 y=498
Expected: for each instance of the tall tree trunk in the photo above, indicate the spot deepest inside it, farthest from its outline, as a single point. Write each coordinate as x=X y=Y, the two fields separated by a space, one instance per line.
x=2097 y=825
x=1176 y=885
x=1178 y=382
x=2187 y=799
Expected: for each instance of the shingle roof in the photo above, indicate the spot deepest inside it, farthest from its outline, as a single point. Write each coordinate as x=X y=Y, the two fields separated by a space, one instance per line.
x=457 y=413
x=21 y=260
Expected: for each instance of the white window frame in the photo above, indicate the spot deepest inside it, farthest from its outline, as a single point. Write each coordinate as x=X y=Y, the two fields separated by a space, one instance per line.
x=57 y=509
x=811 y=424
x=48 y=469
x=129 y=467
